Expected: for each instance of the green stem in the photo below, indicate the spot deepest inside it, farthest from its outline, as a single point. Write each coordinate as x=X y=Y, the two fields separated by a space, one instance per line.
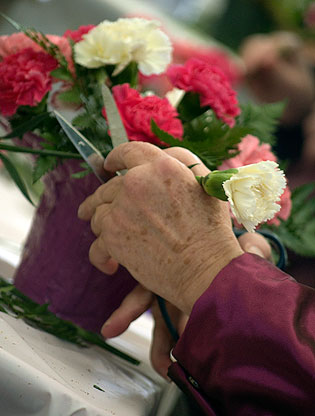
x=42 y=152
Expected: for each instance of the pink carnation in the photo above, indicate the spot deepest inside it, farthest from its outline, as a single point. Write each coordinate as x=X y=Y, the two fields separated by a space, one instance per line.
x=213 y=56
x=18 y=41
x=137 y=111
x=77 y=35
x=210 y=83
x=24 y=79
x=286 y=205
x=251 y=151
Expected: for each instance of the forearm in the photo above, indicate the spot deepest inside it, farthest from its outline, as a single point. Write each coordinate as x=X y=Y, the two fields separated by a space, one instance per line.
x=250 y=342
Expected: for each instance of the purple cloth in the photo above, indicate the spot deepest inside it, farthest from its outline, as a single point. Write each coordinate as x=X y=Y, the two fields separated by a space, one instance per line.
x=55 y=266
x=249 y=345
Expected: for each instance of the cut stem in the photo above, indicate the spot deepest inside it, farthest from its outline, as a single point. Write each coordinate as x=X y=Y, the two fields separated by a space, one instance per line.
x=42 y=152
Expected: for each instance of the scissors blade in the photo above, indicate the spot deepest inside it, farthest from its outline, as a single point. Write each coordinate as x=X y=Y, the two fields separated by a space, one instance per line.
x=87 y=150
x=117 y=130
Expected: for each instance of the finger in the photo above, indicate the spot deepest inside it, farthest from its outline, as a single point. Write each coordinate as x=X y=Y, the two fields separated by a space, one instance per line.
x=135 y=304
x=188 y=158
x=162 y=343
x=97 y=220
x=255 y=243
x=100 y=258
x=103 y=194
x=129 y=155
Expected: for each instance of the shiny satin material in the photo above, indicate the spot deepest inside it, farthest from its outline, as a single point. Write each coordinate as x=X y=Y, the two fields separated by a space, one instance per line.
x=250 y=344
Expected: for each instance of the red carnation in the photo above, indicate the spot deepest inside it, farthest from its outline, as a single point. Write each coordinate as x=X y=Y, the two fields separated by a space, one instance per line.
x=210 y=83
x=24 y=79
x=76 y=35
x=137 y=111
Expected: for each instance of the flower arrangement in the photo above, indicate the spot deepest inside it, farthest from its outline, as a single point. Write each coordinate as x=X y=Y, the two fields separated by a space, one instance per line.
x=202 y=112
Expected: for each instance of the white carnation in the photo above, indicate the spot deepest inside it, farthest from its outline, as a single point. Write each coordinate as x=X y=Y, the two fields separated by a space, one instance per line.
x=124 y=41
x=253 y=193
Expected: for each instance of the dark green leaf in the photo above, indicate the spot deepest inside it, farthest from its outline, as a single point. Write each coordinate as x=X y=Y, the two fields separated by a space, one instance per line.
x=43 y=165
x=15 y=176
x=27 y=126
x=298 y=231
x=14 y=302
x=189 y=107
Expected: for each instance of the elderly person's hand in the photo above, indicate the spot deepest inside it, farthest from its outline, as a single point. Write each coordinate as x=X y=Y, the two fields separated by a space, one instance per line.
x=276 y=69
x=158 y=223
x=141 y=299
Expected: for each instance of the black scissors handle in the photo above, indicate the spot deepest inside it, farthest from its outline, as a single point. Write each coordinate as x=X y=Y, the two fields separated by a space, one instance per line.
x=274 y=241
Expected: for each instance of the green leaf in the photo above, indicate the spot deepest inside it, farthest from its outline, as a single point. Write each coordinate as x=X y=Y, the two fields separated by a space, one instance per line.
x=71 y=96
x=82 y=121
x=15 y=176
x=15 y=303
x=27 y=126
x=261 y=120
x=208 y=137
x=43 y=165
x=298 y=231
x=61 y=73
x=189 y=107
x=128 y=75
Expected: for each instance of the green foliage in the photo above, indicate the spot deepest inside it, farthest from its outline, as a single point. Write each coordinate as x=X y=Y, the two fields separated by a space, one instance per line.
x=14 y=174
x=298 y=231
x=261 y=120
x=189 y=107
x=16 y=304
x=208 y=137
x=72 y=96
x=20 y=128
x=43 y=165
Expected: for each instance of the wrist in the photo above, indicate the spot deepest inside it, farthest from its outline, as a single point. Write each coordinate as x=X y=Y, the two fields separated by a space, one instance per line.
x=205 y=269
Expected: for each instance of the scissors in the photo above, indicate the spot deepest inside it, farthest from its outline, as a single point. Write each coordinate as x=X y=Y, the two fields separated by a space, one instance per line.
x=95 y=160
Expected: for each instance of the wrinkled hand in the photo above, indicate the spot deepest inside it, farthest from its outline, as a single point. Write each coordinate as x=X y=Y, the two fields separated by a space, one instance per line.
x=278 y=69
x=158 y=223
x=140 y=300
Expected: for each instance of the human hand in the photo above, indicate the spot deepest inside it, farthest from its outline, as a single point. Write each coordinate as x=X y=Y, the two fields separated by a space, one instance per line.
x=278 y=69
x=140 y=300
x=158 y=223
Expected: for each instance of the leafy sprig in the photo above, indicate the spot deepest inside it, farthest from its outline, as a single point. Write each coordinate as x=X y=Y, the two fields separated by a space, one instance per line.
x=16 y=304
x=298 y=232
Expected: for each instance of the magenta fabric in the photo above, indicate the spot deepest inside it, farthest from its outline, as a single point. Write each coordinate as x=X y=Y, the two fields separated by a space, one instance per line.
x=55 y=266
x=249 y=345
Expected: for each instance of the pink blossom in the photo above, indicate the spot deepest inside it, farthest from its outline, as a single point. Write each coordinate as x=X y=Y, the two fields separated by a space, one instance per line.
x=77 y=35
x=18 y=41
x=309 y=18
x=286 y=205
x=137 y=112
x=211 y=55
x=24 y=79
x=210 y=83
x=251 y=151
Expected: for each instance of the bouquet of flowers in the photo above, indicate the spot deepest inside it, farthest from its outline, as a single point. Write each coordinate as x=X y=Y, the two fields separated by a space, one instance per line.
x=201 y=112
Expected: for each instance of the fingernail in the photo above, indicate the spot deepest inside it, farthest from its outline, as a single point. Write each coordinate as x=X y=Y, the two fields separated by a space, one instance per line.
x=255 y=250
x=106 y=323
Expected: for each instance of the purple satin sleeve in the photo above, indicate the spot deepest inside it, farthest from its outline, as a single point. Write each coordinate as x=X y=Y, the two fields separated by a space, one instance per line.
x=249 y=345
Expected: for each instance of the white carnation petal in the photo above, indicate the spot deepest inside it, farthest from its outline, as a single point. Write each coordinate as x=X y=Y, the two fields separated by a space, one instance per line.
x=253 y=193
